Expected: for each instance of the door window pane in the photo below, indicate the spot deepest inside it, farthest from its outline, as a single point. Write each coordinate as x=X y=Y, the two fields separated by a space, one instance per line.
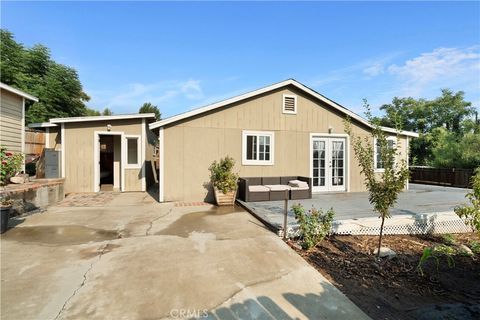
x=132 y=151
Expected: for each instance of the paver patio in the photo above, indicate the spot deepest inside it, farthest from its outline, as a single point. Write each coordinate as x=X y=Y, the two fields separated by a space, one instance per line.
x=418 y=200
x=134 y=258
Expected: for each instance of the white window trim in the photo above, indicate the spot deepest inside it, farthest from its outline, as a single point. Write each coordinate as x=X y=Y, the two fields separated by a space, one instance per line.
x=247 y=162
x=144 y=153
x=295 y=103
x=161 y=169
x=137 y=165
x=390 y=138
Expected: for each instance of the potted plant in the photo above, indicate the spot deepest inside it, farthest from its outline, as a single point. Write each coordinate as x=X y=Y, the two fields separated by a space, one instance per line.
x=224 y=181
x=5 y=208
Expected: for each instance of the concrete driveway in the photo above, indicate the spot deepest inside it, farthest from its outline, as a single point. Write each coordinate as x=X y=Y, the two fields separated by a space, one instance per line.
x=133 y=258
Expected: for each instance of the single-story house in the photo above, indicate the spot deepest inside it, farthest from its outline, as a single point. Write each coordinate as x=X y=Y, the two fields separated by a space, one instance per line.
x=285 y=129
x=108 y=153
x=12 y=117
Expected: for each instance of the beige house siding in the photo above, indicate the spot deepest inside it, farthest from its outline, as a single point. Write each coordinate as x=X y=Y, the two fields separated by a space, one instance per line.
x=54 y=139
x=133 y=180
x=11 y=121
x=190 y=146
x=79 y=153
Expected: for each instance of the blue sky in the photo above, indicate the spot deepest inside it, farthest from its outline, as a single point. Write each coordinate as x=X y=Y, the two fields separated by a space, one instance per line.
x=183 y=55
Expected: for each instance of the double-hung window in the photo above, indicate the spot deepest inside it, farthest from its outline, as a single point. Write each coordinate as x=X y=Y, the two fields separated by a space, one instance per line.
x=378 y=163
x=257 y=148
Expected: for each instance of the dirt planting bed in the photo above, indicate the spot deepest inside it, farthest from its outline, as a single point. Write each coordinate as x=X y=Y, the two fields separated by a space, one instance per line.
x=394 y=288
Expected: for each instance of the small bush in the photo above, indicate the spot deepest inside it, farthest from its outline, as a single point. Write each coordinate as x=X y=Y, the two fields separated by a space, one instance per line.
x=11 y=163
x=448 y=239
x=436 y=253
x=475 y=247
x=222 y=176
x=314 y=225
x=471 y=214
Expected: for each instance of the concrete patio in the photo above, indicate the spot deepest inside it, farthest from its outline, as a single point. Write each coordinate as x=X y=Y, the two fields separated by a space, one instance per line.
x=133 y=258
x=420 y=202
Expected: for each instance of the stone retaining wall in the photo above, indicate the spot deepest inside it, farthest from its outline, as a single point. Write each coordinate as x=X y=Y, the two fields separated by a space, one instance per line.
x=36 y=194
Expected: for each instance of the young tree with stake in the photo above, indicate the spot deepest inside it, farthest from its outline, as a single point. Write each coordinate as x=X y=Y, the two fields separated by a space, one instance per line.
x=383 y=187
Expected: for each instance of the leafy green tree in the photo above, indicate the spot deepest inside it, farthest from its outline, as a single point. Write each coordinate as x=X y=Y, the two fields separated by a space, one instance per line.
x=92 y=112
x=452 y=151
x=107 y=112
x=436 y=146
x=148 y=107
x=383 y=188
x=450 y=109
x=32 y=70
x=12 y=61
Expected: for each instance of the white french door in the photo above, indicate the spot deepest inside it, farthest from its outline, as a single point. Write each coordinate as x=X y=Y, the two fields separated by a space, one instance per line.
x=328 y=161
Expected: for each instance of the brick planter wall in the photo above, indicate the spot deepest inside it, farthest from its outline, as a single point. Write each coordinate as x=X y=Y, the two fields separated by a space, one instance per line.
x=36 y=194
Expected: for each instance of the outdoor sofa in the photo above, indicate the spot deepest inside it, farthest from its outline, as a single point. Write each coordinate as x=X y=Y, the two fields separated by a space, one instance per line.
x=253 y=189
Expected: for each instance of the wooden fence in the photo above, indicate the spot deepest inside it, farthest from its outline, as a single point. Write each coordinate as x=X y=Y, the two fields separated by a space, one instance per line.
x=444 y=177
x=34 y=141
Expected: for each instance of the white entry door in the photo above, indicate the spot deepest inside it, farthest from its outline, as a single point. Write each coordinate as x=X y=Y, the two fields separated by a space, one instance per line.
x=328 y=164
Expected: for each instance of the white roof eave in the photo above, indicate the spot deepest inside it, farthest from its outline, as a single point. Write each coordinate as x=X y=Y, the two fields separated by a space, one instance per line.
x=18 y=92
x=42 y=125
x=103 y=118
x=217 y=105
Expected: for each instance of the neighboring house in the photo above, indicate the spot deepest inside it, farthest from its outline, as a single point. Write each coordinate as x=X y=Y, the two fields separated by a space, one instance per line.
x=110 y=153
x=285 y=129
x=12 y=118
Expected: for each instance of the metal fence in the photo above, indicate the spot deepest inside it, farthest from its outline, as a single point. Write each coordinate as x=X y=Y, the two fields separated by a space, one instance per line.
x=444 y=177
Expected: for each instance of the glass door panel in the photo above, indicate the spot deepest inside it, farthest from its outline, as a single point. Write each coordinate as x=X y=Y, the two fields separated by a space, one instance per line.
x=318 y=162
x=328 y=166
x=337 y=167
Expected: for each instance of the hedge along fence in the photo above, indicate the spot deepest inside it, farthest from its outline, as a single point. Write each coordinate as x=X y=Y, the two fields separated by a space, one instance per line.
x=439 y=176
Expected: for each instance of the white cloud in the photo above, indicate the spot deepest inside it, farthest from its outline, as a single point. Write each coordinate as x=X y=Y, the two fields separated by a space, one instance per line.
x=192 y=89
x=130 y=97
x=375 y=69
x=369 y=67
x=443 y=67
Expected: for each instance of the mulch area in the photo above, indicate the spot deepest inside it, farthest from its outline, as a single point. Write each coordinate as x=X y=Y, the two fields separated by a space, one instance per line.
x=393 y=288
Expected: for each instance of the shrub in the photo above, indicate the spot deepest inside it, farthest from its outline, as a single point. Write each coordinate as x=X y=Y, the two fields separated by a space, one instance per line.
x=11 y=165
x=314 y=224
x=471 y=213
x=475 y=247
x=436 y=253
x=222 y=176
x=448 y=239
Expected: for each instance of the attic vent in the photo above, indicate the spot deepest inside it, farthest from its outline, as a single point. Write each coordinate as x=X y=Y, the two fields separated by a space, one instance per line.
x=289 y=104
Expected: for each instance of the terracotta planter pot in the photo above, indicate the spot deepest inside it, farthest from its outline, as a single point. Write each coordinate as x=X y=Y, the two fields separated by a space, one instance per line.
x=5 y=216
x=225 y=199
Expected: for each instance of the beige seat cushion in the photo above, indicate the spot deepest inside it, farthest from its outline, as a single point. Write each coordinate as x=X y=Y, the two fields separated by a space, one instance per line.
x=299 y=188
x=297 y=183
x=258 y=189
x=277 y=187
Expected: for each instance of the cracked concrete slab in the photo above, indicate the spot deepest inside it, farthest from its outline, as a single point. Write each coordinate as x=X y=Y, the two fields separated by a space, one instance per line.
x=164 y=262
